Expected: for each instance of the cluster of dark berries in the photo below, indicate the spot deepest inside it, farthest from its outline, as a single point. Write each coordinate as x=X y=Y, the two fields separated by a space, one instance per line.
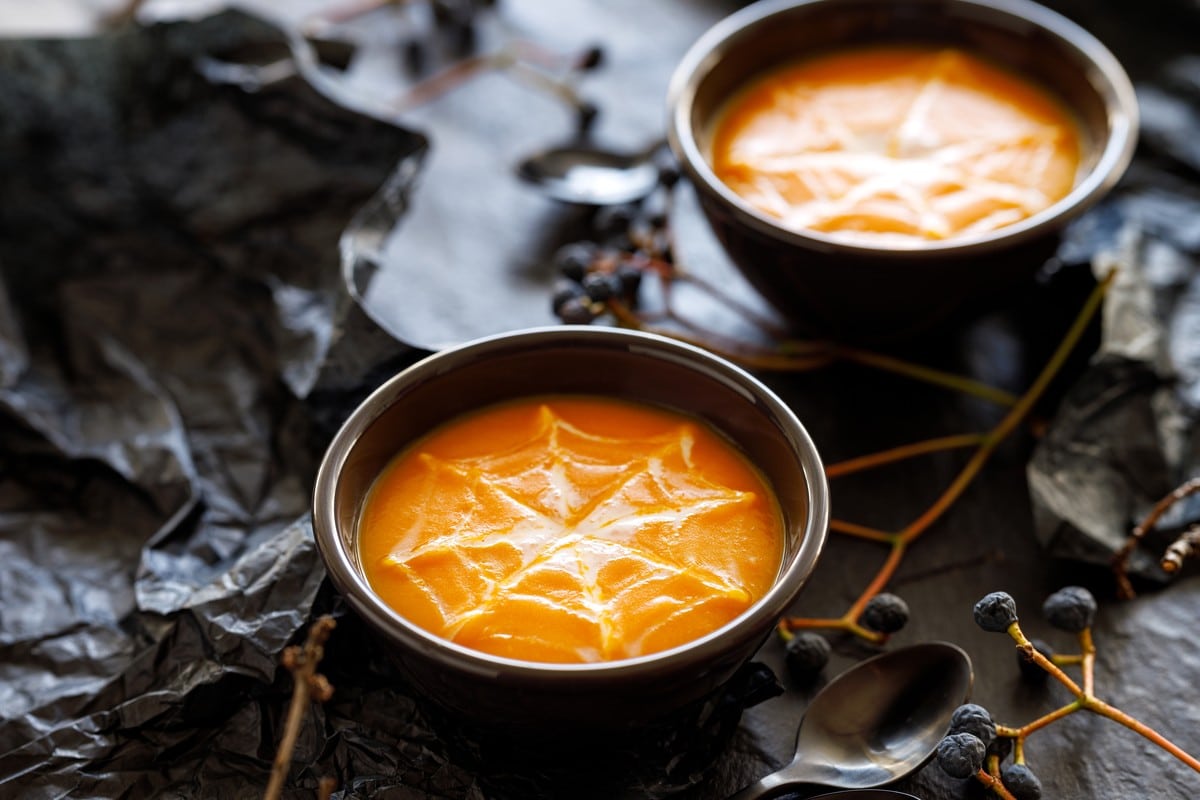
x=1071 y=609
x=807 y=653
x=452 y=33
x=627 y=242
x=971 y=740
x=589 y=276
x=452 y=29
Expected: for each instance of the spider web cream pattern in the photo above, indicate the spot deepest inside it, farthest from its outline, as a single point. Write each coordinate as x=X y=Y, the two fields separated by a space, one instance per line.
x=575 y=546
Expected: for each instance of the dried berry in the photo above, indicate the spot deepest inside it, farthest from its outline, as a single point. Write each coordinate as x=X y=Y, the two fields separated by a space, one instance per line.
x=1071 y=609
x=630 y=278
x=806 y=655
x=1001 y=747
x=1021 y=782
x=577 y=311
x=462 y=36
x=885 y=613
x=960 y=755
x=415 y=57
x=564 y=290
x=658 y=219
x=996 y=612
x=572 y=260
x=668 y=174
x=600 y=286
x=591 y=58
x=613 y=220
x=1030 y=671
x=585 y=116
x=975 y=720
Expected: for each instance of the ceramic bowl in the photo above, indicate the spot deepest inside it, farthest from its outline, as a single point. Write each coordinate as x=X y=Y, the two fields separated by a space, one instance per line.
x=866 y=292
x=544 y=699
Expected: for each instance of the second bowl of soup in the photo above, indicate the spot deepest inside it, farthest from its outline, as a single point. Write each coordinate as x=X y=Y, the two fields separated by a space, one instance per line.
x=875 y=167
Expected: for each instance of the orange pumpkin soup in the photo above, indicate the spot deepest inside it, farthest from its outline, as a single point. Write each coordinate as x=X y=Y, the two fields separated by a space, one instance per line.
x=570 y=529
x=895 y=146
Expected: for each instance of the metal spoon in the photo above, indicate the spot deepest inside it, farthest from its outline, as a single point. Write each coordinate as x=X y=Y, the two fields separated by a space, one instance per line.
x=876 y=722
x=592 y=175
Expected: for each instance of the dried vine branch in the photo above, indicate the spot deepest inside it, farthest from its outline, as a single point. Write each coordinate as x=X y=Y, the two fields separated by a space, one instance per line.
x=1182 y=548
x=308 y=685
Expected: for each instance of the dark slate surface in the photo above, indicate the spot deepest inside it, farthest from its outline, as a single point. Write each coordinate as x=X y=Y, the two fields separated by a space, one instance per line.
x=177 y=344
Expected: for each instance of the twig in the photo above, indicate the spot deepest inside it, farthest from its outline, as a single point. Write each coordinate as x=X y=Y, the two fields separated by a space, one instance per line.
x=1085 y=699
x=1185 y=547
x=986 y=445
x=1120 y=561
x=308 y=684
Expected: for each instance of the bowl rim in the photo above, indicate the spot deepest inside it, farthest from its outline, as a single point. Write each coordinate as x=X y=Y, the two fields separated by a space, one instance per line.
x=352 y=585
x=1119 y=99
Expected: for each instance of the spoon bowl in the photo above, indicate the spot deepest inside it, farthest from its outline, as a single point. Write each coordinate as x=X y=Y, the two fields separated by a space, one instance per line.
x=876 y=722
x=590 y=175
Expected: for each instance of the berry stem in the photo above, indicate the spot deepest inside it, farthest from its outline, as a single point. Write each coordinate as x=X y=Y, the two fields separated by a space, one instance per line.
x=987 y=444
x=994 y=783
x=345 y=12
x=1085 y=699
x=1067 y=660
x=796 y=355
x=899 y=546
x=1088 y=661
x=1015 y=415
x=1035 y=655
x=734 y=351
x=1102 y=708
x=547 y=83
x=846 y=624
x=1025 y=730
x=918 y=372
x=785 y=347
x=902 y=453
x=451 y=77
x=861 y=531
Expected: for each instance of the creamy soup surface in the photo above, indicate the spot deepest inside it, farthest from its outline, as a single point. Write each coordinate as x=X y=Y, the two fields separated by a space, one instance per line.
x=896 y=146
x=570 y=529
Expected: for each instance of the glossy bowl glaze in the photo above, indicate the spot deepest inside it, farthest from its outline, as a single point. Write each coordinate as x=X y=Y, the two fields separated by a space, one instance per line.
x=865 y=292
x=546 y=700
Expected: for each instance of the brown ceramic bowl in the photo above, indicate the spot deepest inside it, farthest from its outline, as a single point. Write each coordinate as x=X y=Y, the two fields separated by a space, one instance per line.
x=549 y=700
x=867 y=292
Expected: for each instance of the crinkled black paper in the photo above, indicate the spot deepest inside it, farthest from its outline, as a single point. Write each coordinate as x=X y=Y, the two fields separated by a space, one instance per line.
x=171 y=298
x=1127 y=432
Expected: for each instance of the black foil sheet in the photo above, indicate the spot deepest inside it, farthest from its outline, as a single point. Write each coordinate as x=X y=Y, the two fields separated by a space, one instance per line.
x=1126 y=434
